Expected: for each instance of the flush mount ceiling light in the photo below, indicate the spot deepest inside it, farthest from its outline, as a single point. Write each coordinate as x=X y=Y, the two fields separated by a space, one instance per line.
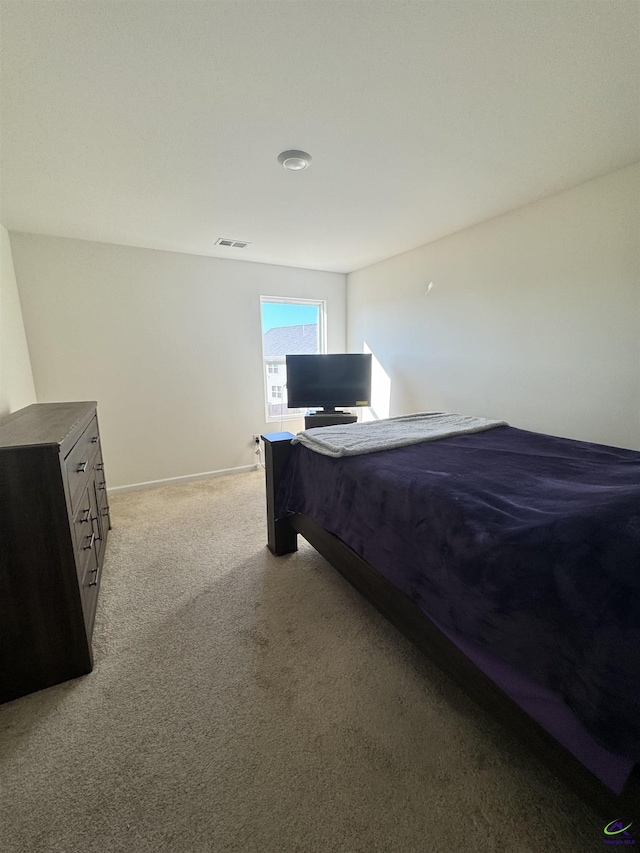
x=294 y=161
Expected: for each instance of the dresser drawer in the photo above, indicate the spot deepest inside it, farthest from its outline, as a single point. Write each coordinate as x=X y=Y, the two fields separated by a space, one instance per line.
x=82 y=526
x=85 y=532
x=89 y=591
x=103 y=508
x=79 y=462
x=101 y=486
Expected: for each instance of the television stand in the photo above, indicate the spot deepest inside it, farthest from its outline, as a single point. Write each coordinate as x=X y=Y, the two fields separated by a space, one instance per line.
x=322 y=419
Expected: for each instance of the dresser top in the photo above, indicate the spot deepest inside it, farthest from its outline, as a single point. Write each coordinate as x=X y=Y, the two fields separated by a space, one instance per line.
x=44 y=423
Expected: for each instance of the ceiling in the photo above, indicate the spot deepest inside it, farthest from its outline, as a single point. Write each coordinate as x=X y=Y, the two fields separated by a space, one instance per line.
x=159 y=124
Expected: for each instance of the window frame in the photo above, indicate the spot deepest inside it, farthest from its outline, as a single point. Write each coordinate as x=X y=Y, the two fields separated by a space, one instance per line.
x=321 y=305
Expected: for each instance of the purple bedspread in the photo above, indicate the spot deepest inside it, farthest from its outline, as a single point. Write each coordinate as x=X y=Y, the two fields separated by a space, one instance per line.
x=525 y=544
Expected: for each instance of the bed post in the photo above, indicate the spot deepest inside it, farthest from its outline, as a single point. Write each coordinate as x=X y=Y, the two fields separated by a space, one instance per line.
x=281 y=537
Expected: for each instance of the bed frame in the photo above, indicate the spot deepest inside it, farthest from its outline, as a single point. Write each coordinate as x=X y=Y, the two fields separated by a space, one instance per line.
x=282 y=538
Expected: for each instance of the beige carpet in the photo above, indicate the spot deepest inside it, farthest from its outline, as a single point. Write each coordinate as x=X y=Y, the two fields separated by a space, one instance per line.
x=242 y=702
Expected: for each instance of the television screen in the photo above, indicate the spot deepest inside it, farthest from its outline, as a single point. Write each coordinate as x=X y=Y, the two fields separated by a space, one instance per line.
x=327 y=381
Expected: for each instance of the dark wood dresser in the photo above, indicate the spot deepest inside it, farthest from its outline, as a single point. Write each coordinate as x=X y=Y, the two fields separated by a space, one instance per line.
x=54 y=521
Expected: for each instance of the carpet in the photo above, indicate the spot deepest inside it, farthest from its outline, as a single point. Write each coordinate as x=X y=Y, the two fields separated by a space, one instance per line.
x=243 y=702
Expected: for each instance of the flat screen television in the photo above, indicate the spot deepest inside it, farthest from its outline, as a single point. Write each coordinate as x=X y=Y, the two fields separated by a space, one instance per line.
x=327 y=381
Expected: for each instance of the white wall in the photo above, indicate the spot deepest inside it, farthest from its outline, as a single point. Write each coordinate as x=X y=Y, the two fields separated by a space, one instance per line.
x=16 y=379
x=159 y=339
x=534 y=316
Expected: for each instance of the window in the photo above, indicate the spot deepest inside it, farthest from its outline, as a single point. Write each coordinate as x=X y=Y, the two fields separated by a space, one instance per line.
x=289 y=327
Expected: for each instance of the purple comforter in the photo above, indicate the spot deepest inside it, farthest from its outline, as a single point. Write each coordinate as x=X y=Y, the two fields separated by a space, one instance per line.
x=525 y=544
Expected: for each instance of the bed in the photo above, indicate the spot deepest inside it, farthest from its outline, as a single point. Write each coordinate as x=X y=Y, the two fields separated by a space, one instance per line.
x=511 y=558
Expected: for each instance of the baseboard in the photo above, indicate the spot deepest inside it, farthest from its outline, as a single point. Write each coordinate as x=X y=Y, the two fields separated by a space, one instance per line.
x=187 y=478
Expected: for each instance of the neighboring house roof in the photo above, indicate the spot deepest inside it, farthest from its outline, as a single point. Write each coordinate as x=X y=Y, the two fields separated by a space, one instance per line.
x=298 y=340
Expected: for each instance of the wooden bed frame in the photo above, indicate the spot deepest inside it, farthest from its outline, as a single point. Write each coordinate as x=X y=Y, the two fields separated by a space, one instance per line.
x=410 y=621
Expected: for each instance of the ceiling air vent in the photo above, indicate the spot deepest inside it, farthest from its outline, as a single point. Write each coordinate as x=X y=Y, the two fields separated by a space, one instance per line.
x=234 y=244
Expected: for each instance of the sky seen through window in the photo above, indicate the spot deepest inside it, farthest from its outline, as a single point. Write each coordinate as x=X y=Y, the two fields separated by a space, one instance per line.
x=279 y=314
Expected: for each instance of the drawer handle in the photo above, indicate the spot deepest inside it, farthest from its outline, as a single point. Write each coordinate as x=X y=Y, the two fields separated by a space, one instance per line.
x=95 y=439
x=82 y=467
x=99 y=466
x=91 y=539
x=94 y=582
x=101 y=486
x=98 y=537
x=86 y=515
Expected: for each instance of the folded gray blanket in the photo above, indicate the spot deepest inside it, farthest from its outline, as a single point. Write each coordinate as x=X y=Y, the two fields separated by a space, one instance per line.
x=368 y=437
